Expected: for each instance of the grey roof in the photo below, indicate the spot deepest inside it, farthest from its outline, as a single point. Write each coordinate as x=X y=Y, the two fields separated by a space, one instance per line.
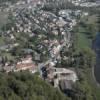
x=65 y=84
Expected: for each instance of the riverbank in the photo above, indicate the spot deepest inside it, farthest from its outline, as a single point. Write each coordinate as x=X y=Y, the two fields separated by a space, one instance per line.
x=93 y=67
x=93 y=75
x=93 y=83
x=96 y=47
x=84 y=38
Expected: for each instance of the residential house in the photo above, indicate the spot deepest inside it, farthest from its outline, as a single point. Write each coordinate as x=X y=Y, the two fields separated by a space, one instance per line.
x=58 y=74
x=26 y=64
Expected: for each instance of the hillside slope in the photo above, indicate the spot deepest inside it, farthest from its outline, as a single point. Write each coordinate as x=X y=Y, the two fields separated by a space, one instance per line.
x=25 y=86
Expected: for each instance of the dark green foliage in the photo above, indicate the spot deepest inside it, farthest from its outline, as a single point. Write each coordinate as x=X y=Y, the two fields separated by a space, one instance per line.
x=85 y=57
x=25 y=86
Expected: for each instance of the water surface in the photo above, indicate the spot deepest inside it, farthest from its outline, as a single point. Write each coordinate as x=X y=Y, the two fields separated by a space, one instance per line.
x=97 y=50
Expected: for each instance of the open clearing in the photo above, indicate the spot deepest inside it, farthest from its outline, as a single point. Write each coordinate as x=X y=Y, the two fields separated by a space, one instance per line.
x=3 y=18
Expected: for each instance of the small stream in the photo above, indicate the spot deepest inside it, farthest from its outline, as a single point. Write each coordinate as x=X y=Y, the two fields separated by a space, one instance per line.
x=96 y=46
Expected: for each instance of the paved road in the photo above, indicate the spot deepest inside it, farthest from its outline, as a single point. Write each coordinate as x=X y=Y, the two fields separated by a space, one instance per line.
x=50 y=60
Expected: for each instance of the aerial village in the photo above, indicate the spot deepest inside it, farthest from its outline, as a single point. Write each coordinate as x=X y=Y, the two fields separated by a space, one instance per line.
x=54 y=35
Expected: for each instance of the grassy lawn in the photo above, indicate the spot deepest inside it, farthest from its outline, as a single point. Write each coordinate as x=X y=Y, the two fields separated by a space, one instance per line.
x=82 y=35
x=92 y=19
x=2 y=40
x=3 y=18
x=82 y=42
x=8 y=55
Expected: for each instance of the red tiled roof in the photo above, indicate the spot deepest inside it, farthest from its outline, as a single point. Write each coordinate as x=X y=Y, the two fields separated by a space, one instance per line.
x=25 y=66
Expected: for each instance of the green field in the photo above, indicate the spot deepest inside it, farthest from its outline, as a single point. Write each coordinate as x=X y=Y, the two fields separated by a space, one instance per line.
x=82 y=34
x=3 y=18
x=82 y=41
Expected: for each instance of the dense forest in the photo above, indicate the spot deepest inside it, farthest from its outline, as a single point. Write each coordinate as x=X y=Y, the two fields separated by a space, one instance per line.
x=25 y=86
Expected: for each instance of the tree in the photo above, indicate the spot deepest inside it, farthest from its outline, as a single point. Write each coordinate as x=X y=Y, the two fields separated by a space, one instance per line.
x=25 y=86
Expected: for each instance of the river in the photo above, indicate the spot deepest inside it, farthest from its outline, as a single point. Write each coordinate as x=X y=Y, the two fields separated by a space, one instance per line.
x=96 y=46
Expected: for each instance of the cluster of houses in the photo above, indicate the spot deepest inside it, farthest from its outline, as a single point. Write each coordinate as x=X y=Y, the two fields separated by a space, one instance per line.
x=85 y=3
x=56 y=34
x=59 y=77
x=28 y=19
x=25 y=63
